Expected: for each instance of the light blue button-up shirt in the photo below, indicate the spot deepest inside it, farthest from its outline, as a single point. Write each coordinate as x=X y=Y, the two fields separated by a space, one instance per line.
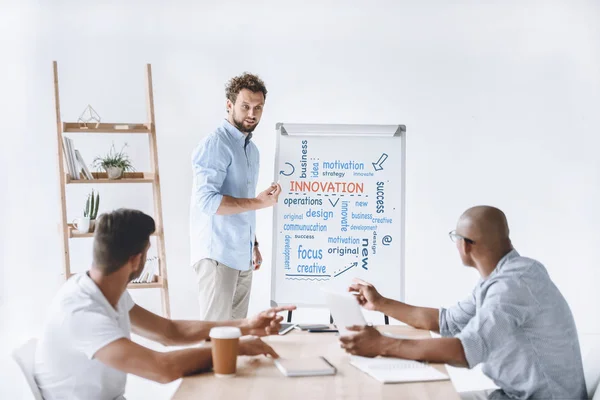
x=224 y=163
x=517 y=323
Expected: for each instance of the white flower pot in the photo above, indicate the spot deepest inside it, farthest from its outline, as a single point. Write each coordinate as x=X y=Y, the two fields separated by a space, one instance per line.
x=114 y=172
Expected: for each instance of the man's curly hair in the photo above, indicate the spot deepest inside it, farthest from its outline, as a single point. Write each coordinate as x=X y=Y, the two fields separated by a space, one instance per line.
x=245 y=81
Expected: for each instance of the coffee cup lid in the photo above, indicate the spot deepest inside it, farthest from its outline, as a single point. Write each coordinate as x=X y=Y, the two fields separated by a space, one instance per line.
x=225 y=332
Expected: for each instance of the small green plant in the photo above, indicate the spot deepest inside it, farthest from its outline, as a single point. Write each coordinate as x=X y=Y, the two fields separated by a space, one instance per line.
x=115 y=159
x=91 y=205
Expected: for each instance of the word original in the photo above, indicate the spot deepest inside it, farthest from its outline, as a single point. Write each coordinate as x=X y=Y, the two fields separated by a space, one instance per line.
x=343 y=250
x=293 y=217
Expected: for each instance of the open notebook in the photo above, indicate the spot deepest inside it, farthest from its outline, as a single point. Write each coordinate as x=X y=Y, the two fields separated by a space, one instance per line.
x=397 y=370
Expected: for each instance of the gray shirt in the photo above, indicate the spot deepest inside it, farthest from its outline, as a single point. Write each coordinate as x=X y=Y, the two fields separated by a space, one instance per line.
x=517 y=323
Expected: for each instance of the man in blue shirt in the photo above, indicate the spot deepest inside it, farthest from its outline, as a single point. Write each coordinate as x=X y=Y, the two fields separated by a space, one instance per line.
x=224 y=249
x=515 y=322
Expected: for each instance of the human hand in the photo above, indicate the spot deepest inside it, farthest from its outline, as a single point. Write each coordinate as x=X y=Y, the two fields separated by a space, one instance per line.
x=266 y=322
x=367 y=296
x=366 y=342
x=270 y=196
x=256 y=258
x=255 y=347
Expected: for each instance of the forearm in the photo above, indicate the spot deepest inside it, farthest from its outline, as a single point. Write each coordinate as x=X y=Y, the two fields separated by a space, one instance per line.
x=189 y=332
x=232 y=205
x=180 y=363
x=444 y=351
x=418 y=317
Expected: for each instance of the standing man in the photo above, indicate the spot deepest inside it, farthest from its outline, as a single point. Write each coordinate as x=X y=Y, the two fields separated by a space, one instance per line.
x=224 y=248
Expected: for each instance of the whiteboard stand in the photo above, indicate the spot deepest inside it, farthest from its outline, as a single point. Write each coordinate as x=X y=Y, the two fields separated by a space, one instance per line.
x=341 y=213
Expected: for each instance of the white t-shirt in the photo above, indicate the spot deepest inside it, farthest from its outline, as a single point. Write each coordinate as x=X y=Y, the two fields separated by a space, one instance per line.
x=81 y=321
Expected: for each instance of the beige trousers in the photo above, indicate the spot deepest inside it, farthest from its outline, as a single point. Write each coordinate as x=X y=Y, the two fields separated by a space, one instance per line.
x=223 y=292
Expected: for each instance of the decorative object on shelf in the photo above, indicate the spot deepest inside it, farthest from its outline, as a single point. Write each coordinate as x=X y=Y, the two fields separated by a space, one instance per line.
x=91 y=210
x=114 y=163
x=82 y=224
x=87 y=117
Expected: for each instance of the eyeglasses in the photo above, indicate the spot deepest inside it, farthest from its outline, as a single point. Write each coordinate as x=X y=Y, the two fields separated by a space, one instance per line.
x=456 y=237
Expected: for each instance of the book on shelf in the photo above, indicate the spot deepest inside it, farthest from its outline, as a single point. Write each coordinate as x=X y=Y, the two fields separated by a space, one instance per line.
x=70 y=160
x=83 y=167
x=76 y=165
x=149 y=272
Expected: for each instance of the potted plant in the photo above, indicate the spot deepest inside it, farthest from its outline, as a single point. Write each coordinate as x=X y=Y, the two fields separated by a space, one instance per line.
x=91 y=209
x=114 y=163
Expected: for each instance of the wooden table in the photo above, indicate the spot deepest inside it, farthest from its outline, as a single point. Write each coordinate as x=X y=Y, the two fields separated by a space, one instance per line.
x=258 y=378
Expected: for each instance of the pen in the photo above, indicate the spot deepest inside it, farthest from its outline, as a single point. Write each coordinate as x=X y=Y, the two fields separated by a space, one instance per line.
x=322 y=330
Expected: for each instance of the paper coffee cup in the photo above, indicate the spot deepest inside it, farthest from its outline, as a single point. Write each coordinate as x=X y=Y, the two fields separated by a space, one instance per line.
x=225 y=342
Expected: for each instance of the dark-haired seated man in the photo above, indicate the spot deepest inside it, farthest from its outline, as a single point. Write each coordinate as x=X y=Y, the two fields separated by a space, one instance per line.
x=86 y=352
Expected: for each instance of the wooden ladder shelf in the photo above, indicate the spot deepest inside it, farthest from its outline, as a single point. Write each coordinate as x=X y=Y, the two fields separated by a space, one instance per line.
x=152 y=177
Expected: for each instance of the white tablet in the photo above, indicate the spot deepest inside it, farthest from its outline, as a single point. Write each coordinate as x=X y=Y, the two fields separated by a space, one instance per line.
x=345 y=310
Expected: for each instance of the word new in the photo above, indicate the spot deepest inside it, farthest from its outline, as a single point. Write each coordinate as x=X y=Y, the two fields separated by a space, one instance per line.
x=365 y=253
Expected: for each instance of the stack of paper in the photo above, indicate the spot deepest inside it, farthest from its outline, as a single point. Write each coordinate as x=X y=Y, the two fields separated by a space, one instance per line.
x=396 y=370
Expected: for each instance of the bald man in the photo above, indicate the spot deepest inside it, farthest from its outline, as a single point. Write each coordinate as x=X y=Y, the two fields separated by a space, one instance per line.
x=515 y=322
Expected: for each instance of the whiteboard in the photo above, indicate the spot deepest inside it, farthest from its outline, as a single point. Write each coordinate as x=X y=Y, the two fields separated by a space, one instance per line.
x=341 y=213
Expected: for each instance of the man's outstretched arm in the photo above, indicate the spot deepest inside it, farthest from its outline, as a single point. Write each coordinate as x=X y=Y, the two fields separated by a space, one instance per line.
x=129 y=357
x=418 y=317
x=178 y=332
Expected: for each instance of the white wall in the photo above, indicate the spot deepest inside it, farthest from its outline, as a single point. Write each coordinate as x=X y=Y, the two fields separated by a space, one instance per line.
x=500 y=101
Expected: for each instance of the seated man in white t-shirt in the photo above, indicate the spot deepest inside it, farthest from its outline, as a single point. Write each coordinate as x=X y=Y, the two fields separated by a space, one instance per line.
x=86 y=352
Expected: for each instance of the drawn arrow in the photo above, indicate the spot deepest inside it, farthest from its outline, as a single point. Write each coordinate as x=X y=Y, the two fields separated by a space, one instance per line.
x=336 y=201
x=354 y=264
x=378 y=165
x=293 y=170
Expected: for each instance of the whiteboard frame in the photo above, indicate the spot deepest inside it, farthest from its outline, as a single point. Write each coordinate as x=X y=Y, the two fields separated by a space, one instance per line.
x=341 y=130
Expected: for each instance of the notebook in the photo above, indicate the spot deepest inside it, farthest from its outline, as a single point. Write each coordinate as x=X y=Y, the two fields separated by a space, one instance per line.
x=397 y=370
x=310 y=366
